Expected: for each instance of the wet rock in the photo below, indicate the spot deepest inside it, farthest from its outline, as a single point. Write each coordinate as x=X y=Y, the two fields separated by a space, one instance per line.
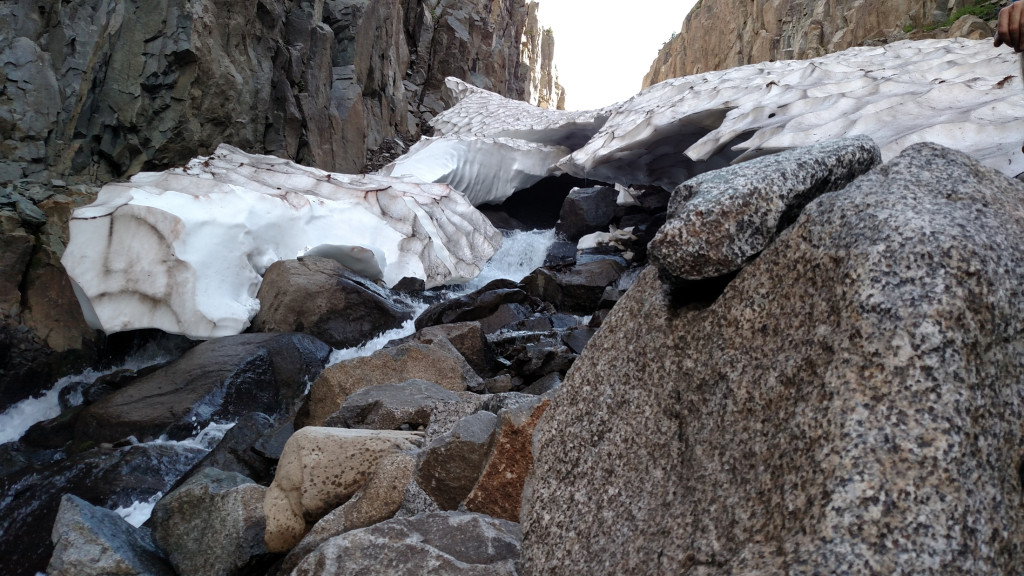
x=93 y=541
x=378 y=499
x=55 y=432
x=406 y=405
x=450 y=543
x=450 y=464
x=533 y=354
x=468 y=338
x=216 y=381
x=320 y=469
x=322 y=298
x=437 y=362
x=213 y=525
x=544 y=384
x=236 y=453
x=561 y=253
x=497 y=304
x=861 y=416
x=577 y=290
x=498 y=491
x=15 y=253
x=106 y=477
x=587 y=210
x=720 y=220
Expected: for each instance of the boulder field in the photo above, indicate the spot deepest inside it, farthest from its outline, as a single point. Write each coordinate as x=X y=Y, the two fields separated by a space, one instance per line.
x=842 y=394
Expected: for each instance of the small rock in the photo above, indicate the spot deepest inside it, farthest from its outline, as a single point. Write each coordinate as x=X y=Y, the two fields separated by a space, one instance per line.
x=213 y=525
x=93 y=541
x=451 y=464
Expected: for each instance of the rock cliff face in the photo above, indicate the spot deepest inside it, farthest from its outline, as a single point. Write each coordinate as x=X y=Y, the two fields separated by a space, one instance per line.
x=98 y=90
x=763 y=30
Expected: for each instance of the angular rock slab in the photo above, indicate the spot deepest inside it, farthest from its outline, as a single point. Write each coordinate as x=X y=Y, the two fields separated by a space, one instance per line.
x=852 y=403
x=719 y=220
x=217 y=381
x=184 y=250
x=390 y=406
x=451 y=463
x=212 y=525
x=441 y=543
x=438 y=362
x=93 y=541
x=499 y=490
x=320 y=469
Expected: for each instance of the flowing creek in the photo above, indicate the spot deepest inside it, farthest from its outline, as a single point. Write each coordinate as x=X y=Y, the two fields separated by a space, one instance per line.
x=520 y=254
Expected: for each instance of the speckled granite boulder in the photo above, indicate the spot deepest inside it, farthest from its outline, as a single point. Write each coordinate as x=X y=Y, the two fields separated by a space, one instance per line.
x=440 y=544
x=93 y=541
x=378 y=499
x=319 y=470
x=853 y=403
x=213 y=525
x=720 y=220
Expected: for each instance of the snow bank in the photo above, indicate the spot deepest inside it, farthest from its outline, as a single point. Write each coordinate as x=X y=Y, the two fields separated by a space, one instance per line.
x=184 y=250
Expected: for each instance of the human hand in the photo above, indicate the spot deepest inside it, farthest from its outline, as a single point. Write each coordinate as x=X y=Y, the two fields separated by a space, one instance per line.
x=1011 y=27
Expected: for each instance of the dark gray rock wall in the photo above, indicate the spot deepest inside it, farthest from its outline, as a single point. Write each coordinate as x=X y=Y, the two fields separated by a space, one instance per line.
x=101 y=89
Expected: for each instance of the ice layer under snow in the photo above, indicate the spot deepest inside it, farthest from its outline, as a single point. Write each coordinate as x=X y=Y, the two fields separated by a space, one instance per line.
x=184 y=250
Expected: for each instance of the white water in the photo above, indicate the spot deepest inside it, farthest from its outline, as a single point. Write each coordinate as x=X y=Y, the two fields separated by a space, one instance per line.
x=520 y=254
x=207 y=439
x=137 y=513
x=17 y=419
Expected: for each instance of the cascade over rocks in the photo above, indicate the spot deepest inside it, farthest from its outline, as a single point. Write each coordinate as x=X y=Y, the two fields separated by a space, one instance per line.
x=854 y=420
x=103 y=476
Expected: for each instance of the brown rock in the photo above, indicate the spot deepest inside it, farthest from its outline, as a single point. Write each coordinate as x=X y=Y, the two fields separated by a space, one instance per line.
x=499 y=490
x=438 y=362
x=747 y=33
x=320 y=297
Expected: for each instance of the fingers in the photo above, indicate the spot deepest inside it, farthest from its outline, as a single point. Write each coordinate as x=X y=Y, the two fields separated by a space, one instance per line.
x=1010 y=29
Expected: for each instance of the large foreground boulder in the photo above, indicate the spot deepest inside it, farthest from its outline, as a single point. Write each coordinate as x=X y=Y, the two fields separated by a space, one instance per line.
x=853 y=403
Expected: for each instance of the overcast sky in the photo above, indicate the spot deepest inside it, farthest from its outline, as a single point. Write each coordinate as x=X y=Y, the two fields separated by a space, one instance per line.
x=603 y=48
